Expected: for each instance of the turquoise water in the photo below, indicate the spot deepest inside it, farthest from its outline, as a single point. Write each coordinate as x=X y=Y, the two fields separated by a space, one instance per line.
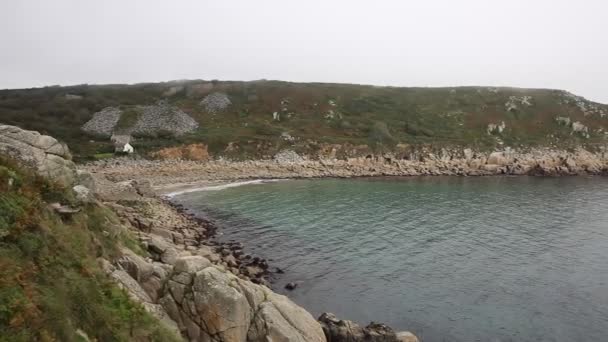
x=452 y=259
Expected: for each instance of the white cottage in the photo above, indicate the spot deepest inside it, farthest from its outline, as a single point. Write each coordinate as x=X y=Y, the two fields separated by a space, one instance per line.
x=122 y=143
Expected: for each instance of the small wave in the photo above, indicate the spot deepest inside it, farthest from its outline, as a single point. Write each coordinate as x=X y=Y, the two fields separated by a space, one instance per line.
x=220 y=187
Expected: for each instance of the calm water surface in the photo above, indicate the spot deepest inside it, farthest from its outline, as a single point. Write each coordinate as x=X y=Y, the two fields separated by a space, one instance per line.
x=452 y=259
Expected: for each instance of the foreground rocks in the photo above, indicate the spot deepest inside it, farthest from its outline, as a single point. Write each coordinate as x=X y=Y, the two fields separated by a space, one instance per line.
x=208 y=291
x=42 y=153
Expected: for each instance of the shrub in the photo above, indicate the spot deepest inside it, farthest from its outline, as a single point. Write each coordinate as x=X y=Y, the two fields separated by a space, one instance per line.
x=380 y=135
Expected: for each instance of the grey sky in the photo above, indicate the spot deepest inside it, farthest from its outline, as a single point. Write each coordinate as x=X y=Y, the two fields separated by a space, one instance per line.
x=533 y=43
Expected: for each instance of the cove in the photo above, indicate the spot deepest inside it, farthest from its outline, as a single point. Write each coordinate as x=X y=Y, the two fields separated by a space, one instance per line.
x=449 y=258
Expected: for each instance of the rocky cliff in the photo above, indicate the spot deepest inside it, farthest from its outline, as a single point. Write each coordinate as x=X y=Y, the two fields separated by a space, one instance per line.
x=165 y=261
x=43 y=153
x=194 y=285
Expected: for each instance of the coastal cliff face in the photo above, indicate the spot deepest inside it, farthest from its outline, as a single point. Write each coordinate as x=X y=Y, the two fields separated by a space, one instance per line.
x=170 y=269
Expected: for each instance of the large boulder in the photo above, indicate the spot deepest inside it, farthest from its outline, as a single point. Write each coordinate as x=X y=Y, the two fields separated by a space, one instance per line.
x=497 y=158
x=42 y=153
x=338 y=330
x=210 y=304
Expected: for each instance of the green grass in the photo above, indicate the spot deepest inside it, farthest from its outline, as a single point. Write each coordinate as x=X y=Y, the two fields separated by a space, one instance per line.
x=101 y=156
x=128 y=119
x=415 y=116
x=50 y=281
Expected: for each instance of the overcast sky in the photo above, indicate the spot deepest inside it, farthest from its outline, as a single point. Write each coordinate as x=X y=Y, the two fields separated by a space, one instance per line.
x=528 y=43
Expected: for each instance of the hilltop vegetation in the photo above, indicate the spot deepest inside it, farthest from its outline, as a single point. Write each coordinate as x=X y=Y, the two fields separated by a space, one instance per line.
x=260 y=118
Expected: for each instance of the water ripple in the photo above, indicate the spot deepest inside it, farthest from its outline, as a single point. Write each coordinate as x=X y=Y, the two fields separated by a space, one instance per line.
x=453 y=259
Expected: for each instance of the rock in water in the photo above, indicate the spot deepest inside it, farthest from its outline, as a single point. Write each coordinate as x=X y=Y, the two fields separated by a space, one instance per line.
x=337 y=330
x=42 y=153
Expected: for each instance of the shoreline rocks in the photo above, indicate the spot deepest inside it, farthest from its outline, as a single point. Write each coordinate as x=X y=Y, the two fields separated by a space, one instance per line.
x=200 y=288
x=338 y=330
x=464 y=162
x=204 y=289
x=209 y=290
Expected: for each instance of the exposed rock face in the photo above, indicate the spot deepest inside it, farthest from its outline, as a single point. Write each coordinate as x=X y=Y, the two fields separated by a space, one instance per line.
x=465 y=162
x=212 y=305
x=215 y=102
x=337 y=330
x=496 y=128
x=103 y=122
x=515 y=102
x=163 y=117
x=204 y=300
x=200 y=290
x=83 y=194
x=42 y=153
x=288 y=157
x=153 y=119
x=587 y=107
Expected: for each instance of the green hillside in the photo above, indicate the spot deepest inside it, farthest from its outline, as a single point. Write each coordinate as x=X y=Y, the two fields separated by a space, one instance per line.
x=309 y=114
x=51 y=285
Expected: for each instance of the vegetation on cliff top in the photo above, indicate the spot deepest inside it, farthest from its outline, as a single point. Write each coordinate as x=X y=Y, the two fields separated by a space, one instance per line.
x=265 y=116
x=51 y=285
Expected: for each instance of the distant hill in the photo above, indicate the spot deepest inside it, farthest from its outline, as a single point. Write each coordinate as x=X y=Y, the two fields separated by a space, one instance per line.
x=253 y=119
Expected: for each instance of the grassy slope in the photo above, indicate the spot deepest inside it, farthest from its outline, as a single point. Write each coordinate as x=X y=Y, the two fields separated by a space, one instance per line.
x=50 y=282
x=437 y=116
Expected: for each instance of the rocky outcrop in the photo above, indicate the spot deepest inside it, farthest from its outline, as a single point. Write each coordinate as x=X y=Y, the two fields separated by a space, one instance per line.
x=213 y=305
x=103 y=122
x=462 y=162
x=160 y=118
x=207 y=291
x=337 y=330
x=288 y=157
x=163 y=117
x=215 y=102
x=197 y=289
x=42 y=153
